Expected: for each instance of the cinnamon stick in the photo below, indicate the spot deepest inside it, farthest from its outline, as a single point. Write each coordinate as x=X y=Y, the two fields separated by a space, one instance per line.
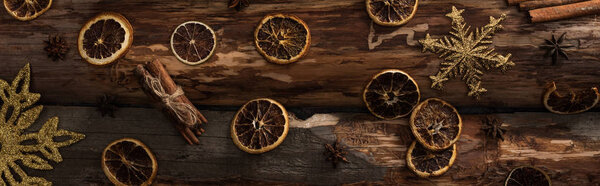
x=156 y=69
x=514 y=2
x=565 y=11
x=530 y=5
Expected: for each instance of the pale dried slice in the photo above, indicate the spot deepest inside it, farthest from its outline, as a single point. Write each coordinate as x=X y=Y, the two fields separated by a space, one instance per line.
x=260 y=126
x=436 y=124
x=572 y=103
x=282 y=38
x=391 y=94
x=105 y=38
x=529 y=176
x=426 y=163
x=128 y=161
x=391 y=12
x=193 y=42
x=26 y=10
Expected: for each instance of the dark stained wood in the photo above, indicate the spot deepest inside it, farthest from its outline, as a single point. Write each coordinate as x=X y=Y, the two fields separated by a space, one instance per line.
x=567 y=147
x=347 y=49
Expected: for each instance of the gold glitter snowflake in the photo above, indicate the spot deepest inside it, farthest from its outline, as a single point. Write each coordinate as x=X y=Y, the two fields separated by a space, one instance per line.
x=18 y=146
x=465 y=55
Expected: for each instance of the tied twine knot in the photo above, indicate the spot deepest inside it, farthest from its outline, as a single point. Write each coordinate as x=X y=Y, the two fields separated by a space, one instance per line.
x=186 y=113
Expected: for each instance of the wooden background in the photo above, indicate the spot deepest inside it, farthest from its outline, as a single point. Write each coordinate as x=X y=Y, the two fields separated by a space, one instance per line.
x=322 y=90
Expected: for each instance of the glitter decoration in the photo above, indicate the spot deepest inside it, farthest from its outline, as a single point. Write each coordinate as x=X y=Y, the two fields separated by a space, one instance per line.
x=16 y=115
x=465 y=54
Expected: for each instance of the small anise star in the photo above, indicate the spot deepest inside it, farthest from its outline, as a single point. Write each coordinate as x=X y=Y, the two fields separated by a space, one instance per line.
x=555 y=47
x=239 y=4
x=56 y=47
x=335 y=153
x=106 y=105
x=492 y=127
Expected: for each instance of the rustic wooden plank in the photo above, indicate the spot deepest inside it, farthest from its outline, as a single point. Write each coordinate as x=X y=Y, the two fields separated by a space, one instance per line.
x=347 y=49
x=565 y=146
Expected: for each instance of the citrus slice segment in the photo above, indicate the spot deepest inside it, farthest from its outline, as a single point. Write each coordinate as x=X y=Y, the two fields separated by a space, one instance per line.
x=572 y=103
x=193 y=42
x=104 y=38
x=391 y=94
x=128 y=161
x=25 y=10
x=436 y=124
x=426 y=163
x=259 y=126
x=527 y=176
x=282 y=38
x=391 y=12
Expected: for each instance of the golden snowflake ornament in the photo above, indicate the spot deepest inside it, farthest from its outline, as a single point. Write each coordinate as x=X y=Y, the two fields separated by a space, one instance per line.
x=16 y=115
x=466 y=54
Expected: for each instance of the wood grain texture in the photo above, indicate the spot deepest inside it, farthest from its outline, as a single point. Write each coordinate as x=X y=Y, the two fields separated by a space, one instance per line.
x=346 y=50
x=567 y=147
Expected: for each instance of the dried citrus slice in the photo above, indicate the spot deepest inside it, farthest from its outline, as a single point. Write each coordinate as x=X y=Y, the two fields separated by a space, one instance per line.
x=193 y=42
x=572 y=103
x=26 y=10
x=128 y=161
x=527 y=176
x=260 y=126
x=391 y=12
x=391 y=94
x=436 y=124
x=425 y=162
x=105 y=38
x=282 y=38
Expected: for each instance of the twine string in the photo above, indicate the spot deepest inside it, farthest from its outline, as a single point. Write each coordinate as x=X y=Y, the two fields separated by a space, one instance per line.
x=185 y=112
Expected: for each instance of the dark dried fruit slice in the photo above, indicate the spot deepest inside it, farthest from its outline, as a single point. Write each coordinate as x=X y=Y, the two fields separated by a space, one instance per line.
x=26 y=10
x=391 y=94
x=105 y=38
x=425 y=162
x=281 y=38
x=436 y=124
x=391 y=12
x=193 y=42
x=259 y=126
x=128 y=161
x=572 y=103
x=530 y=176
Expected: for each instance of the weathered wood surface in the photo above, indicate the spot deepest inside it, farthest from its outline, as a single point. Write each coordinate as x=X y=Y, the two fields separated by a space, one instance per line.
x=347 y=49
x=567 y=147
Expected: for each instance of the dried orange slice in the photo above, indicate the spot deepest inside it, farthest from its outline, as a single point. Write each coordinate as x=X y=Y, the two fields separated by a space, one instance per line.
x=105 y=38
x=391 y=12
x=260 y=126
x=391 y=94
x=193 y=42
x=26 y=10
x=436 y=124
x=426 y=163
x=128 y=161
x=527 y=176
x=572 y=103
x=282 y=38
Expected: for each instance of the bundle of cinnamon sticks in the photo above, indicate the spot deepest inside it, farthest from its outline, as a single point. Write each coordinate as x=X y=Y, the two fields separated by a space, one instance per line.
x=157 y=83
x=551 y=10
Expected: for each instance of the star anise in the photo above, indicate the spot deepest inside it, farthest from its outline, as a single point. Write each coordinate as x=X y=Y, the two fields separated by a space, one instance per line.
x=239 y=4
x=555 y=47
x=56 y=47
x=335 y=153
x=106 y=105
x=492 y=127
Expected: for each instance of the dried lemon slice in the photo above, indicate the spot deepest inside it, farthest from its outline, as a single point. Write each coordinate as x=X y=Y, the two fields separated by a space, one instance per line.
x=527 y=176
x=26 y=10
x=282 y=38
x=128 y=161
x=436 y=124
x=260 y=126
x=391 y=94
x=105 y=38
x=193 y=42
x=572 y=103
x=391 y=12
x=425 y=162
